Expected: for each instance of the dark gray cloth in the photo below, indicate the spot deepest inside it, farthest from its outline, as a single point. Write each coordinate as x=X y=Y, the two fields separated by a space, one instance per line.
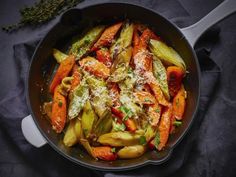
x=197 y=155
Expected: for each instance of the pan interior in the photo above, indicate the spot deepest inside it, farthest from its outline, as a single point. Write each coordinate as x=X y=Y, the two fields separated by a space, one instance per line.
x=73 y=23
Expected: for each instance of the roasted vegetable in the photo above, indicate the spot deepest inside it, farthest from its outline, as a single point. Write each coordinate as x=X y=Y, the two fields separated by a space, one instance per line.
x=154 y=113
x=179 y=104
x=103 y=56
x=124 y=117
x=95 y=67
x=83 y=45
x=63 y=71
x=66 y=85
x=123 y=41
x=120 y=65
x=107 y=36
x=104 y=124
x=154 y=85
x=114 y=94
x=100 y=97
x=58 y=55
x=164 y=127
x=76 y=74
x=167 y=54
x=117 y=139
x=88 y=119
x=129 y=152
x=104 y=153
x=150 y=132
x=59 y=107
x=88 y=148
x=159 y=72
x=78 y=98
x=73 y=133
x=175 y=76
x=144 y=98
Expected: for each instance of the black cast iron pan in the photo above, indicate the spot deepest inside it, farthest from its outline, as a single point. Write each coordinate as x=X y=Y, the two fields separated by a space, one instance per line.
x=38 y=131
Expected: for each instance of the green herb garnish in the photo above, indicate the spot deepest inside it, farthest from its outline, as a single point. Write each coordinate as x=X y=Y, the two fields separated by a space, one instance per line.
x=142 y=140
x=113 y=150
x=127 y=112
x=157 y=140
x=177 y=123
x=147 y=100
x=60 y=103
x=157 y=110
x=41 y=12
x=119 y=127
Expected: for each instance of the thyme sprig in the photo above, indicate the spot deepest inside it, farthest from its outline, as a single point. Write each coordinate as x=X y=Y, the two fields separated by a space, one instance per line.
x=41 y=12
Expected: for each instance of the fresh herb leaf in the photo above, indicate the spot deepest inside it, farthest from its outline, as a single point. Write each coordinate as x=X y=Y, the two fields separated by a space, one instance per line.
x=157 y=110
x=147 y=100
x=177 y=123
x=177 y=102
x=60 y=103
x=119 y=127
x=127 y=112
x=142 y=140
x=113 y=150
x=41 y=12
x=157 y=140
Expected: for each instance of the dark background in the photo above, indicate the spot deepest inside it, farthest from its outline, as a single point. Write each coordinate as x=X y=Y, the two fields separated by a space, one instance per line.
x=12 y=163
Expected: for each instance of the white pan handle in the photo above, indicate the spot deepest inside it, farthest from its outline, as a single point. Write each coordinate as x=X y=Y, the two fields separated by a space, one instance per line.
x=31 y=132
x=193 y=32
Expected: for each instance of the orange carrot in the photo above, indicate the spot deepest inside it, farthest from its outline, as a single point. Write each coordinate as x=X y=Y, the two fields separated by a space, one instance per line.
x=142 y=58
x=175 y=76
x=58 y=117
x=114 y=94
x=179 y=104
x=152 y=82
x=107 y=36
x=95 y=67
x=76 y=77
x=144 y=97
x=104 y=153
x=129 y=123
x=63 y=71
x=154 y=113
x=145 y=37
x=164 y=127
x=172 y=126
x=103 y=56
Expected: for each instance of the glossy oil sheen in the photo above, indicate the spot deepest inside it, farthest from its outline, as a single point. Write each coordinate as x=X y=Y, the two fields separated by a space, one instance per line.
x=72 y=23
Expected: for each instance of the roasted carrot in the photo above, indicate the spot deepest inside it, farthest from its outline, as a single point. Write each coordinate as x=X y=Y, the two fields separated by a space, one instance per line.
x=129 y=123
x=164 y=127
x=95 y=67
x=114 y=94
x=63 y=71
x=152 y=82
x=104 y=153
x=145 y=37
x=175 y=76
x=107 y=36
x=141 y=56
x=172 y=126
x=103 y=56
x=144 y=97
x=179 y=104
x=76 y=77
x=154 y=113
x=58 y=117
